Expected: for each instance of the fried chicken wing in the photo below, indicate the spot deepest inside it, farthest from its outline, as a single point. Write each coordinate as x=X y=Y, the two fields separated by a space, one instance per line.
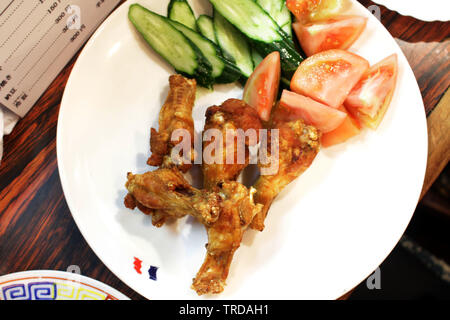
x=225 y=207
x=176 y=113
x=224 y=121
x=226 y=212
x=165 y=190
x=298 y=145
x=237 y=210
x=237 y=207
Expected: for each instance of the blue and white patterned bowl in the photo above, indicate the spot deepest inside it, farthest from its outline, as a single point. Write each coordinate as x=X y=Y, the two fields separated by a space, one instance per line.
x=54 y=285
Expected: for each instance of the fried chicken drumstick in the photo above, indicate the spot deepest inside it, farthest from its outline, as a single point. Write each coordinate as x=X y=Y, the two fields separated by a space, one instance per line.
x=232 y=115
x=176 y=113
x=298 y=145
x=237 y=210
x=226 y=213
x=237 y=206
x=167 y=190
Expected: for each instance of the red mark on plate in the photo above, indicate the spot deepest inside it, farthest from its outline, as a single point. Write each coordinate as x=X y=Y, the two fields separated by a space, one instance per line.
x=137 y=265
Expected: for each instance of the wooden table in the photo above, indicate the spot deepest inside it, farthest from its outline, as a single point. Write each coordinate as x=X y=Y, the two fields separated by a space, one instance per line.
x=36 y=228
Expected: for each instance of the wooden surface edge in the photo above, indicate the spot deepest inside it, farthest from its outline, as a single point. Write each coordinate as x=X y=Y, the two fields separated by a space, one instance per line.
x=438 y=141
x=438 y=122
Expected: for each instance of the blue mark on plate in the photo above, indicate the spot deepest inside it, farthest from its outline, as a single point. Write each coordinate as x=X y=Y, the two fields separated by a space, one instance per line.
x=152 y=272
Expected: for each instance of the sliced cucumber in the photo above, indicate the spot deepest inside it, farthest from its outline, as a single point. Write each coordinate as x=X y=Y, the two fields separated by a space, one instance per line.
x=181 y=11
x=263 y=32
x=205 y=25
x=249 y=18
x=171 y=44
x=223 y=71
x=279 y=12
x=233 y=44
x=256 y=57
x=284 y=84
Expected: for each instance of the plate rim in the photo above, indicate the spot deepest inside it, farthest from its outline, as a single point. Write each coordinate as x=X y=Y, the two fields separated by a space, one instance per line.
x=63 y=177
x=61 y=171
x=408 y=13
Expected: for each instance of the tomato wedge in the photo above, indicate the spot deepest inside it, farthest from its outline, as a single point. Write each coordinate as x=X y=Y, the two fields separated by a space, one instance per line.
x=335 y=33
x=314 y=113
x=314 y=10
x=329 y=76
x=371 y=97
x=349 y=128
x=261 y=88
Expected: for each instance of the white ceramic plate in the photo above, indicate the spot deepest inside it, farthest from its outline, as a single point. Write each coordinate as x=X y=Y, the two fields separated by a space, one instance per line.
x=54 y=285
x=325 y=233
x=430 y=10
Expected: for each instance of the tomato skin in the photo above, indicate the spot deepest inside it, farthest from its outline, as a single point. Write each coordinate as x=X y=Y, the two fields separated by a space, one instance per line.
x=329 y=76
x=261 y=89
x=348 y=129
x=314 y=10
x=370 y=98
x=314 y=113
x=335 y=33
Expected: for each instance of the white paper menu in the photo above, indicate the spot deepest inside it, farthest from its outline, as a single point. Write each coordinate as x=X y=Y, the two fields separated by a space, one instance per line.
x=37 y=39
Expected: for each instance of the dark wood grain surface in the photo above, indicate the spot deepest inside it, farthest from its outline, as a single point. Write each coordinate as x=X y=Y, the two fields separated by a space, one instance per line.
x=36 y=228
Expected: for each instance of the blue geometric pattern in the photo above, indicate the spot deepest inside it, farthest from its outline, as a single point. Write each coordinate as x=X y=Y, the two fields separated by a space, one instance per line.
x=31 y=291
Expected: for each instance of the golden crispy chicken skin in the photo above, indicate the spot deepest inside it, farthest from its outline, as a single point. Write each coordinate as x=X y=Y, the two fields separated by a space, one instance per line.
x=225 y=207
x=176 y=113
x=237 y=210
x=237 y=207
x=233 y=114
x=159 y=217
x=226 y=212
x=298 y=146
x=165 y=190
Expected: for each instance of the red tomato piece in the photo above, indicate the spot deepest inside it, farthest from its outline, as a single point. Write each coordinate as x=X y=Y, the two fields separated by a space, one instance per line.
x=329 y=76
x=349 y=128
x=371 y=97
x=314 y=10
x=335 y=33
x=261 y=88
x=314 y=113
